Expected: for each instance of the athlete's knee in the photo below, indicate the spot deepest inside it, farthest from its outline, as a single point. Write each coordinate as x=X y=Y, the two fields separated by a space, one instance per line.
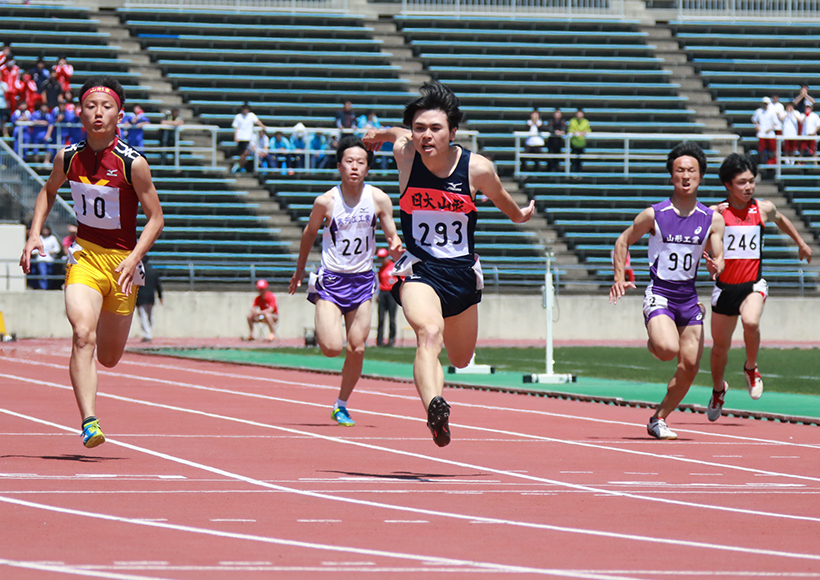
x=751 y=325
x=460 y=360
x=430 y=335
x=84 y=336
x=330 y=350
x=664 y=350
x=108 y=359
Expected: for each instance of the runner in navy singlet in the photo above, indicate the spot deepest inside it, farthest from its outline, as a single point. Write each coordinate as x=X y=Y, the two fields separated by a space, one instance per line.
x=680 y=229
x=741 y=290
x=441 y=273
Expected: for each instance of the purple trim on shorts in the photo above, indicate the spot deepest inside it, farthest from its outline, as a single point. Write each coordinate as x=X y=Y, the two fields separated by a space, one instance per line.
x=686 y=313
x=347 y=291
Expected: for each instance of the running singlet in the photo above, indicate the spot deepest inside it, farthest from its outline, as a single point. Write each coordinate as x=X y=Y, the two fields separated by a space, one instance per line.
x=105 y=202
x=438 y=215
x=676 y=246
x=349 y=240
x=742 y=245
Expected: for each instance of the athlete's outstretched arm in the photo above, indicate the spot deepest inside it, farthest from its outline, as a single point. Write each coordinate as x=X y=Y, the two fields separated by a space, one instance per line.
x=149 y=200
x=42 y=207
x=484 y=178
x=714 y=262
x=787 y=227
x=642 y=224
x=322 y=208
x=384 y=209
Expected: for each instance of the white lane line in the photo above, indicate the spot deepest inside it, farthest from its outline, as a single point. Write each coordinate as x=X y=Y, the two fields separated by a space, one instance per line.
x=371 y=504
x=527 y=477
x=269 y=380
x=230 y=520
x=74 y=570
x=309 y=545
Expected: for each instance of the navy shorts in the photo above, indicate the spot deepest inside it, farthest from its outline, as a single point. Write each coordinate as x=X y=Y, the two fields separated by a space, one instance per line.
x=457 y=287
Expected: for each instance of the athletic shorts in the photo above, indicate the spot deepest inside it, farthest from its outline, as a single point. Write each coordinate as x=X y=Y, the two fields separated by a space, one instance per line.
x=93 y=266
x=727 y=298
x=683 y=311
x=457 y=287
x=347 y=291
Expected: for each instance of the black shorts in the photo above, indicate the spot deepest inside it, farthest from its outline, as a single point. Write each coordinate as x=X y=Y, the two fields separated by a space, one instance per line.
x=727 y=298
x=457 y=287
x=242 y=146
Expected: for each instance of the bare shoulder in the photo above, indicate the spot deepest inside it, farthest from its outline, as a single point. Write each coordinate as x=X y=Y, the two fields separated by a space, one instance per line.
x=379 y=196
x=766 y=206
x=480 y=165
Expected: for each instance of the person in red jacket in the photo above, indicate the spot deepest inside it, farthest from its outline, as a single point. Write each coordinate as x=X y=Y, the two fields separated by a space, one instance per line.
x=387 y=304
x=264 y=309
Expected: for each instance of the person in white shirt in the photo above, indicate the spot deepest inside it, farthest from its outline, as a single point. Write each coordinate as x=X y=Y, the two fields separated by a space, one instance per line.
x=809 y=128
x=45 y=263
x=779 y=112
x=5 y=112
x=243 y=125
x=791 y=129
x=261 y=146
x=764 y=121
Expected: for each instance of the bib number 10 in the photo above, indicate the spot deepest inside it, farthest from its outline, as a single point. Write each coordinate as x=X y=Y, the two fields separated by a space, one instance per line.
x=97 y=206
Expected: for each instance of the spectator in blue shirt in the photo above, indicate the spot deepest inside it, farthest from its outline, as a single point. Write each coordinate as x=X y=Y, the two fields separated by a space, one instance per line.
x=21 y=132
x=39 y=74
x=43 y=120
x=134 y=123
x=346 y=118
x=317 y=142
x=299 y=140
x=281 y=147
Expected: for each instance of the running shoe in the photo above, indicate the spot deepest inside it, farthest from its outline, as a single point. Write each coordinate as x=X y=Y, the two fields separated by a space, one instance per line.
x=92 y=434
x=754 y=382
x=342 y=417
x=658 y=429
x=438 y=421
x=716 y=403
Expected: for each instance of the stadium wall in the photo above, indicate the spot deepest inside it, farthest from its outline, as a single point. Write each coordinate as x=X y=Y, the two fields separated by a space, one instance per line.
x=504 y=318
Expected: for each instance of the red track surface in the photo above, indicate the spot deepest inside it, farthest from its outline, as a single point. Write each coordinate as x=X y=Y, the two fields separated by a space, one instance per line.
x=221 y=471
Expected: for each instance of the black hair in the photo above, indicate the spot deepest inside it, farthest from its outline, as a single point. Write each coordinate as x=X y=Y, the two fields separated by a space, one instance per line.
x=348 y=142
x=435 y=97
x=734 y=165
x=105 y=81
x=687 y=149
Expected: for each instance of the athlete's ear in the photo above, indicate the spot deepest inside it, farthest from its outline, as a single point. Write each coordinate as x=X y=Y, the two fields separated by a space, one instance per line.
x=120 y=116
x=453 y=133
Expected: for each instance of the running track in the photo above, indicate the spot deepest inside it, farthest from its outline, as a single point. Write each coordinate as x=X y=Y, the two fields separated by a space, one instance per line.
x=222 y=471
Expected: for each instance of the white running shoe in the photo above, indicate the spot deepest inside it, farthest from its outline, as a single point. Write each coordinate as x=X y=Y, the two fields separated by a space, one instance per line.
x=754 y=382
x=716 y=403
x=658 y=429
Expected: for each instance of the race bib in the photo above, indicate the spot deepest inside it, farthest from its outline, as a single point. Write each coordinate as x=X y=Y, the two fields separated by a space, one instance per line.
x=96 y=206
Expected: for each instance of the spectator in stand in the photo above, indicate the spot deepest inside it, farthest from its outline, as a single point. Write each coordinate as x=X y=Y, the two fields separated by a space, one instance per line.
x=69 y=100
x=45 y=264
x=168 y=137
x=764 y=123
x=557 y=128
x=5 y=111
x=299 y=140
x=5 y=54
x=534 y=141
x=809 y=128
x=243 y=124
x=318 y=142
x=367 y=121
x=579 y=128
x=21 y=133
x=346 y=118
x=10 y=73
x=260 y=146
x=51 y=90
x=802 y=99
x=30 y=93
x=282 y=149
x=134 y=123
x=70 y=238
x=791 y=129
x=330 y=155
x=64 y=72
x=39 y=74
x=370 y=121
x=41 y=131
x=76 y=132
x=264 y=309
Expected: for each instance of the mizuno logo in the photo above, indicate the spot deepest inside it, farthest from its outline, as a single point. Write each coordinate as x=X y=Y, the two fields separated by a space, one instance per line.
x=112 y=173
x=453 y=186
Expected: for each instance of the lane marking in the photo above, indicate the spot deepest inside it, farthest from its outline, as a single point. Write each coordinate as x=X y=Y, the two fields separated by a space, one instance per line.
x=63 y=569
x=591 y=489
x=317 y=495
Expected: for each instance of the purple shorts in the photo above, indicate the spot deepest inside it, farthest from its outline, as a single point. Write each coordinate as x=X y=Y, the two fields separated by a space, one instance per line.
x=682 y=308
x=347 y=291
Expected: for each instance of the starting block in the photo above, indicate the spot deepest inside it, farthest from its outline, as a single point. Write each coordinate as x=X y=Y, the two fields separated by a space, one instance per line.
x=472 y=369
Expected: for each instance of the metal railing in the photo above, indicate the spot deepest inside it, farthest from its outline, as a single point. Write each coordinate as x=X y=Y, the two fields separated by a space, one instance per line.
x=775 y=11
x=21 y=182
x=786 y=159
x=517 y=8
x=173 y=151
x=624 y=156
x=307 y=160
x=247 y=6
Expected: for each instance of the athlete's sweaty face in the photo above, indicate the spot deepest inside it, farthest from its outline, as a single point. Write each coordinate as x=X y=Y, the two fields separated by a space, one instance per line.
x=100 y=114
x=353 y=166
x=432 y=133
x=686 y=175
x=741 y=188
